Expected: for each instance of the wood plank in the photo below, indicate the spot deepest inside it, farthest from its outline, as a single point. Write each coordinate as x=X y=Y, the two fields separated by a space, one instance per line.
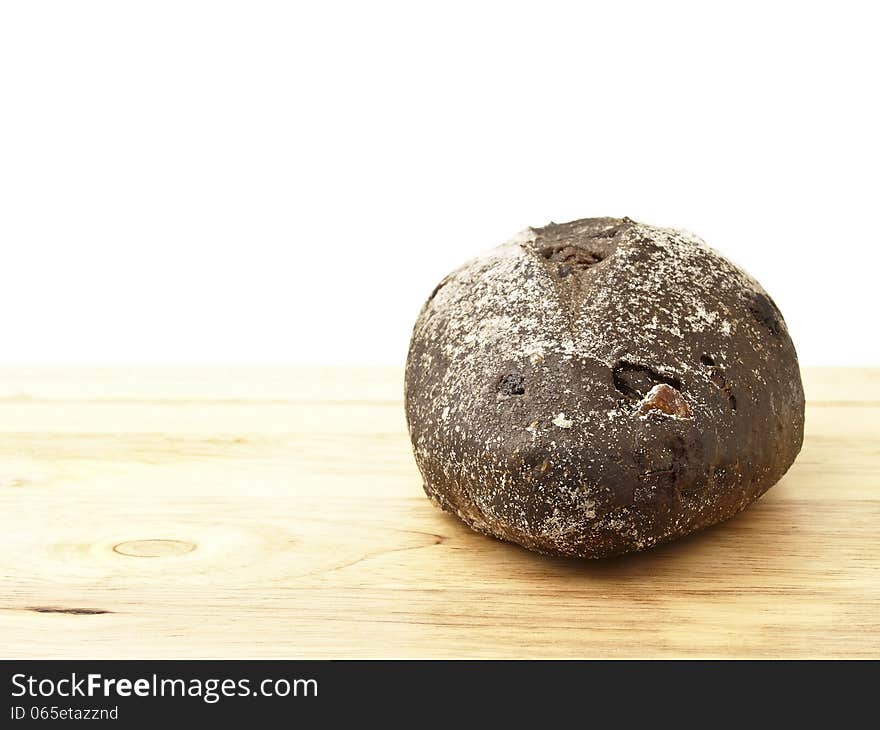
x=278 y=512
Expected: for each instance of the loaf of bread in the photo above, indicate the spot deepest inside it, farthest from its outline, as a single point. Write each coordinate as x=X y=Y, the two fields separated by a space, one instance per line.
x=598 y=387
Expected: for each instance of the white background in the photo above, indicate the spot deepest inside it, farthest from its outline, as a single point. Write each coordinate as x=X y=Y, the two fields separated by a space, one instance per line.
x=255 y=182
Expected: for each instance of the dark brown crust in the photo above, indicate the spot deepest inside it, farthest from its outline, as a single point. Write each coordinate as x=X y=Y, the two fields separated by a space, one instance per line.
x=597 y=387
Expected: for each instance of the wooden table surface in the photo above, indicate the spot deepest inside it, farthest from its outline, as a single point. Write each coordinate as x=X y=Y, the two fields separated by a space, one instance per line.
x=279 y=513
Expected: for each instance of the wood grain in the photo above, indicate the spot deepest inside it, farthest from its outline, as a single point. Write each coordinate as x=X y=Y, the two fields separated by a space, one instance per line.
x=278 y=513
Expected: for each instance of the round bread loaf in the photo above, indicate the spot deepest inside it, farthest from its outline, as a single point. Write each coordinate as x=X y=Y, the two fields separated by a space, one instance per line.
x=597 y=387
